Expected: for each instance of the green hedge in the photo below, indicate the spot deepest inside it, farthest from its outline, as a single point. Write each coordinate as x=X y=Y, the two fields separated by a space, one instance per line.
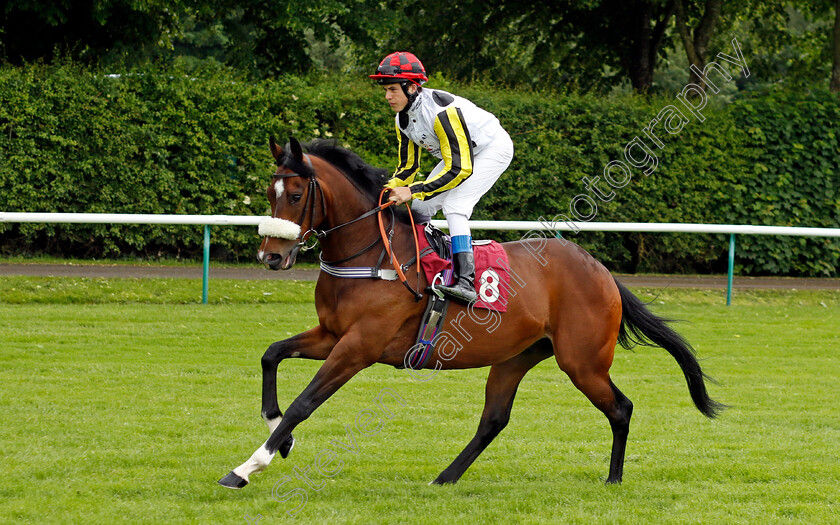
x=153 y=142
x=793 y=179
x=160 y=142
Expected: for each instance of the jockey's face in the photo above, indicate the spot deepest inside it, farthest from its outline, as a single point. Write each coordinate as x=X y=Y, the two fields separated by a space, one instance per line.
x=395 y=96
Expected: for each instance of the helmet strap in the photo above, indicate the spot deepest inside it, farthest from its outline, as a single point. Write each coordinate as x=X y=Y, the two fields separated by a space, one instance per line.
x=410 y=96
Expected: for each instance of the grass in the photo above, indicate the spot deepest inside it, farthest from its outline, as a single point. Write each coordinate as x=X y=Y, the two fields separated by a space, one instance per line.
x=120 y=403
x=74 y=290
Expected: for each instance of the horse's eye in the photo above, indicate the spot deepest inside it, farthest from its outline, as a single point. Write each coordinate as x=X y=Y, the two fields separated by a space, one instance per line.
x=294 y=197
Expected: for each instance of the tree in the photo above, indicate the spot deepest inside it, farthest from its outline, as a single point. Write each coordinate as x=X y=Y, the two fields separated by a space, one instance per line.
x=636 y=31
x=86 y=30
x=579 y=44
x=269 y=39
x=823 y=18
x=262 y=39
x=834 y=84
x=696 y=41
x=790 y=41
x=589 y=43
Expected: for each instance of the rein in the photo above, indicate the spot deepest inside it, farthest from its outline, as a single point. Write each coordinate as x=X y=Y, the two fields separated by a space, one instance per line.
x=386 y=240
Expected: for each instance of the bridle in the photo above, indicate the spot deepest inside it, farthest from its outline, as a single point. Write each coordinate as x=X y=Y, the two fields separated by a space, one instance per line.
x=313 y=189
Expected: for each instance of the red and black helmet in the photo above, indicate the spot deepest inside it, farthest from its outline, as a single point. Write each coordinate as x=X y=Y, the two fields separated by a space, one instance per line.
x=400 y=66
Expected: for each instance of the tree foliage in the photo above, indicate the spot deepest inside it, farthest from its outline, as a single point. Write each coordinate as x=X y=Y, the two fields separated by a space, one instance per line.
x=269 y=39
x=90 y=31
x=586 y=44
x=789 y=42
x=577 y=44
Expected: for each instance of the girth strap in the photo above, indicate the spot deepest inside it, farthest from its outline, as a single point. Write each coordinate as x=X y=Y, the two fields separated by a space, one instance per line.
x=359 y=272
x=370 y=272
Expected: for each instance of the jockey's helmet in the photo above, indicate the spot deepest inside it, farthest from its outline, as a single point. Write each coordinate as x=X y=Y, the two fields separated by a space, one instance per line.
x=399 y=67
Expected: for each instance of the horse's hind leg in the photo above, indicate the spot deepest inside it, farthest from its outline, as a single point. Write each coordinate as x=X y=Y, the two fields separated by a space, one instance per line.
x=502 y=382
x=620 y=424
x=601 y=391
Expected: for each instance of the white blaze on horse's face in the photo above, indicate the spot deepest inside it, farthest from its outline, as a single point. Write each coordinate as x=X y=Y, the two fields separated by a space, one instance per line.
x=276 y=251
x=275 y=227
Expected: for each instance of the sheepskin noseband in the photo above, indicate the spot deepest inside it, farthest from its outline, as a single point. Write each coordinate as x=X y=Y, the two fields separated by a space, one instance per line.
x=279 y=228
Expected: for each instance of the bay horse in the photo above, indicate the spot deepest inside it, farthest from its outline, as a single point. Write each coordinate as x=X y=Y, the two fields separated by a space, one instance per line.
x=568 y=305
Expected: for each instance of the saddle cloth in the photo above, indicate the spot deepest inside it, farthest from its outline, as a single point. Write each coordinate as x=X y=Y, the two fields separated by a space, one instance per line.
x=492 y=280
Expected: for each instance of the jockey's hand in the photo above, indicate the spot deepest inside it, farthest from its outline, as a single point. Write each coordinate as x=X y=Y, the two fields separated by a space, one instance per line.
x=400 y=195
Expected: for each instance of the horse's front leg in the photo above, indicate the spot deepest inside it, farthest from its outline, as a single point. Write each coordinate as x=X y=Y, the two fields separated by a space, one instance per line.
x=312 y=344
x=347 y=358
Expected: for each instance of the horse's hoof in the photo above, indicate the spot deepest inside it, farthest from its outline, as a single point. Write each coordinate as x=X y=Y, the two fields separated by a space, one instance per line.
x=232 y=481
x=286 y=447
x=441 y=481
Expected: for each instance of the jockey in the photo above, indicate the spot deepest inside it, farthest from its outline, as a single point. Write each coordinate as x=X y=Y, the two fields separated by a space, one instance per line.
x=473 y=148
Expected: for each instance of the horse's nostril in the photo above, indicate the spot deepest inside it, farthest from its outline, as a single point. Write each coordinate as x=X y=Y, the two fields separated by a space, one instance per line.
x=272 y=257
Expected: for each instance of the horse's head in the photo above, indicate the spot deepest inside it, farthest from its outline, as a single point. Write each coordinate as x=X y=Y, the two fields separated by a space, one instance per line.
x=297 y=207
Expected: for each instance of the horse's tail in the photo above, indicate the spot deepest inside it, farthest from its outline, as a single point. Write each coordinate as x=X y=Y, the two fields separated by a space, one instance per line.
x=641 y=327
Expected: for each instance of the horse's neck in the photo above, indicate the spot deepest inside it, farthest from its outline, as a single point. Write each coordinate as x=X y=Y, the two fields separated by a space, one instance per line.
x=350 y=240
x=345 y=203
x=354 y=238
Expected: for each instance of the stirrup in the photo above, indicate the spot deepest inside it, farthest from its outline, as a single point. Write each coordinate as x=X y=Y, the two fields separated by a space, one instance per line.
x=456 y=292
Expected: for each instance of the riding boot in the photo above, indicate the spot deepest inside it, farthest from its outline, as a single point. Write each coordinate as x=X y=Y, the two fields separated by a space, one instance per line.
x=463 y=288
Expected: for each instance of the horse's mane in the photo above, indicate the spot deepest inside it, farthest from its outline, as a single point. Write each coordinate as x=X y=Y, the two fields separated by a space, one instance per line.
x=369 y=179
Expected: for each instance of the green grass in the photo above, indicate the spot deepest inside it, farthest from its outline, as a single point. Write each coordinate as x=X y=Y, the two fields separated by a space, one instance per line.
x=129 y=407
x=77 y=290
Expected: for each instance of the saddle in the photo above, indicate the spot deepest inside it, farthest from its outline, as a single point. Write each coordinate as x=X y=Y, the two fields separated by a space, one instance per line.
x=492 y=277
x=437 y=240
x=492 y=284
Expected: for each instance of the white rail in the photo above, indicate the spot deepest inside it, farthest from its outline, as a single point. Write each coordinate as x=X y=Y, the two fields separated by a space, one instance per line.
x=129 y=218
x=661 y=227
x=247 y=220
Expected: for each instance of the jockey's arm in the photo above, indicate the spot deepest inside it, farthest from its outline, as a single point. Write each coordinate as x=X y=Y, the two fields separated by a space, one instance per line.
x=408 y=162
x=456 y=150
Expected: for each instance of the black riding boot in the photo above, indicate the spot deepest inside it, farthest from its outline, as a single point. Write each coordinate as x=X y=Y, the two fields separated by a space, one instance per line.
x=464 y=287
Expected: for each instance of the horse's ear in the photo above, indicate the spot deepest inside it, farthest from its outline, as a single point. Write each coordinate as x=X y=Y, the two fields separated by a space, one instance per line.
x=276 y=151
x=297 y=151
